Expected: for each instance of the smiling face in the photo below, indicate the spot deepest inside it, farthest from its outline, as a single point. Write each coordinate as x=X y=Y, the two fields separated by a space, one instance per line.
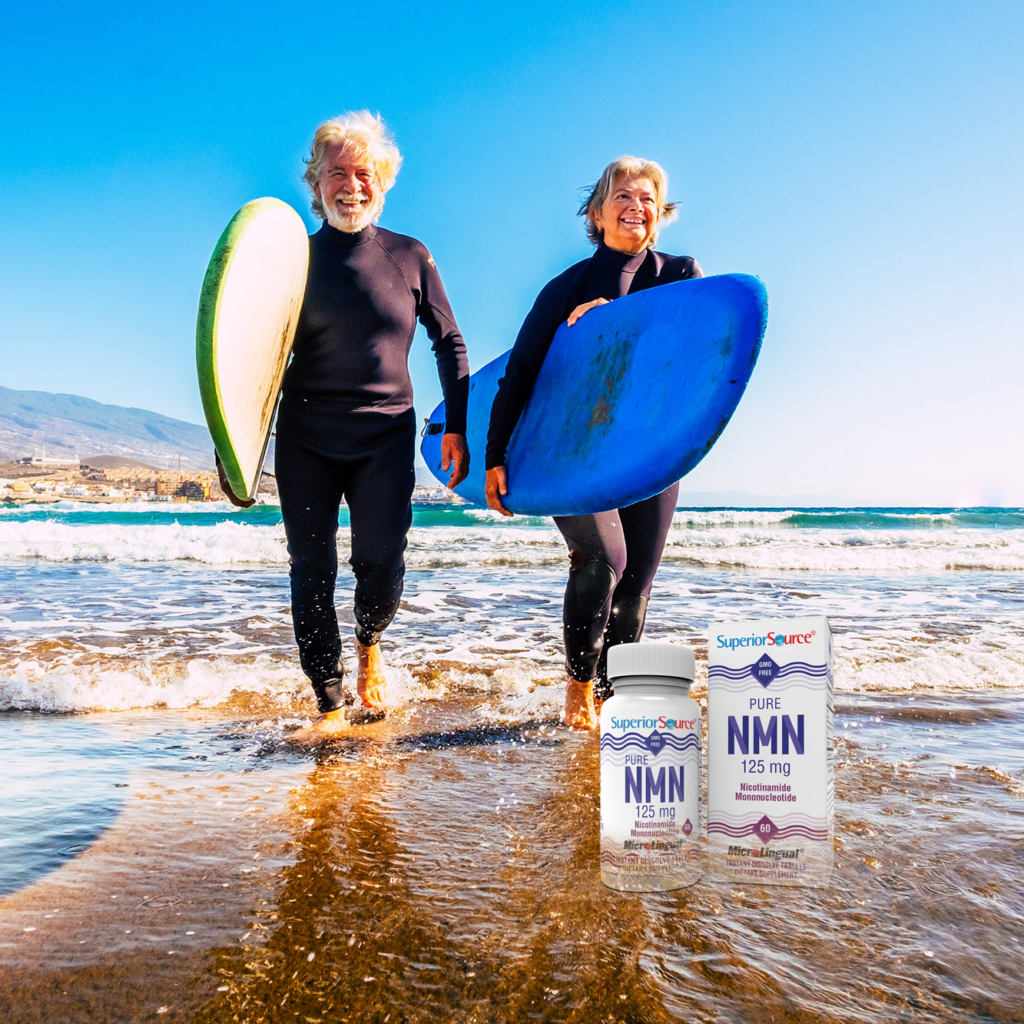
x=628 y=218
x=348 y=188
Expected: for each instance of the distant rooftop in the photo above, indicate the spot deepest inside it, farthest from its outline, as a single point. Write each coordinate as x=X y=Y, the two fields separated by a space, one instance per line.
x=43 y=460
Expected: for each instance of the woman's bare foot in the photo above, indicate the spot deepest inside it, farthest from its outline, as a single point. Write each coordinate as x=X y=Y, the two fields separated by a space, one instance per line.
x=370 y=683
x=324 y=728
x=579 y=705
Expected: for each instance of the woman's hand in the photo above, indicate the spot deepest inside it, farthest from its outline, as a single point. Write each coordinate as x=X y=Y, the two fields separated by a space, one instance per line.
x=455 y=453
x=585 y=308
x=496 y=488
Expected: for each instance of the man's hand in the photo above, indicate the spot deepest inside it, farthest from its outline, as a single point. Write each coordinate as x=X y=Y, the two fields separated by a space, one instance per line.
x=585 y=308
x=226 y=488
x=455 y=453
x=496 y=488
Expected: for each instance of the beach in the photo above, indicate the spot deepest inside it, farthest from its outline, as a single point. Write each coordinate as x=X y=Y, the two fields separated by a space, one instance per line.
x=167 y=854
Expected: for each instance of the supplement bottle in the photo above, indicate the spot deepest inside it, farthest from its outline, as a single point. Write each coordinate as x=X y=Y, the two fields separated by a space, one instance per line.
x=650 y=770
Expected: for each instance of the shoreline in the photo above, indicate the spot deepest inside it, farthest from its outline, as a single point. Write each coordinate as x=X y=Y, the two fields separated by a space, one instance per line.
x=442 y=864
x=265 y=882
x=421 y=496
x=91 y=499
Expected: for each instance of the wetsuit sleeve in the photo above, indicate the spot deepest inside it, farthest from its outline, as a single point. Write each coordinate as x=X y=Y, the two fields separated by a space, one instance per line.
x=524 y=363
x=435 y=313
x=681 y=268
x=666 y=269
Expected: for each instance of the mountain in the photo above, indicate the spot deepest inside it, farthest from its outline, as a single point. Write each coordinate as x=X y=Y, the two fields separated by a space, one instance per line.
x=32 y=422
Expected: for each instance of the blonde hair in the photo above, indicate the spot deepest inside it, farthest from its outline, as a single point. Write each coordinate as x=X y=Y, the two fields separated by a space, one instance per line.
x=368 y=135
x=627 y=167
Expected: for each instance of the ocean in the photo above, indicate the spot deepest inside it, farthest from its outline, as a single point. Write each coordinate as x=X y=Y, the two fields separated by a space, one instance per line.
x=164 y=851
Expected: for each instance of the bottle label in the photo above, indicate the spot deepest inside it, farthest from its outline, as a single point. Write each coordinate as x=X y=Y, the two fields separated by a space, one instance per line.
x=770 y=752
x=650 y=794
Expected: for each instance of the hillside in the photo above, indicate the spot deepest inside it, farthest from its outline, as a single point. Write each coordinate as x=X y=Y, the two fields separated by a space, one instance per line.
x=68 y=425
x=116 y=462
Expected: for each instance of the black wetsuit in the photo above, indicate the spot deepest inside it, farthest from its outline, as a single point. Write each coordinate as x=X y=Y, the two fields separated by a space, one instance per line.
x=614 y=555
x=346 y=430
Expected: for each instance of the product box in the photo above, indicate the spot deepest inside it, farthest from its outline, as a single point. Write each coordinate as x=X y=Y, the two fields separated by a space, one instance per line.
x=770 y=757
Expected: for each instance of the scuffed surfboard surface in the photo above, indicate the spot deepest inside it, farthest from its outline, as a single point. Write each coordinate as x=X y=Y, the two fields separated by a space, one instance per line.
x=628 y=400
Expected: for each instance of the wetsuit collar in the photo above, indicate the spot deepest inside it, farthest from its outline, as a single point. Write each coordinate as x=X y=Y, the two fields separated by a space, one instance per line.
x=346 y=239
x=622 y=262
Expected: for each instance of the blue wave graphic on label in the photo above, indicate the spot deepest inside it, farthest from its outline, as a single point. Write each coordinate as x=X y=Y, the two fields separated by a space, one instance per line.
x=766 y=670
x=654 y=742
x=766 y=830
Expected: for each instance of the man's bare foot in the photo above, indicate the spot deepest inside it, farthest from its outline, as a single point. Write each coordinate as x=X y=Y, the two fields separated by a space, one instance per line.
x=579 y=705
x=324 y=728
x=370 y=683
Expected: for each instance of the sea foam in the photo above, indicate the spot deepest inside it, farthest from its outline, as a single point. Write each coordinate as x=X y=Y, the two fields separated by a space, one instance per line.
x=764 y=546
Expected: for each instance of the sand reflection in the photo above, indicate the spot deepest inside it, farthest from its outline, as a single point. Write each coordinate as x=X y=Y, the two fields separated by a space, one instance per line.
x=445 y=884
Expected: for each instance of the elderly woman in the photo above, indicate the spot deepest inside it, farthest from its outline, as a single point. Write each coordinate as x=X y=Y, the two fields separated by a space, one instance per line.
x=346 y=428
x=613 y=555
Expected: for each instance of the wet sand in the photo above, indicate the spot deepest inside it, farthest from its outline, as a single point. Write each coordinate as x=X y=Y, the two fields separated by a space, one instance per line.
x=423 y=870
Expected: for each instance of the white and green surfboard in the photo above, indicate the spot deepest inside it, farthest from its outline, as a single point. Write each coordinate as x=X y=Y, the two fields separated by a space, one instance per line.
x=248 y=312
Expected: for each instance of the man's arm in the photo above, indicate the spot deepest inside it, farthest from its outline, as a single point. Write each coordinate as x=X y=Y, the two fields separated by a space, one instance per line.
x=435 y=313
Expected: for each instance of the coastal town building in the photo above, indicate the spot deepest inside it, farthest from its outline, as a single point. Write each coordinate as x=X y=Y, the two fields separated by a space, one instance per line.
x=104 y=479
x=49 y=462
x=112 y=479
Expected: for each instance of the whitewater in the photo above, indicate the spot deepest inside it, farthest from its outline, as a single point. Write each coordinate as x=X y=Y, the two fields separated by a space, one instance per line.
x=155 y=606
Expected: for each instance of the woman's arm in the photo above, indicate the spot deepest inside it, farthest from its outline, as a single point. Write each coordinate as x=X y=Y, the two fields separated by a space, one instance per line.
x=524 y=363
x=514 y=388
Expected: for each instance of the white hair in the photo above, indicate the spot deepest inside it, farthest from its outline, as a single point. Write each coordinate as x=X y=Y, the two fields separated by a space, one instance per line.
x=368 y=135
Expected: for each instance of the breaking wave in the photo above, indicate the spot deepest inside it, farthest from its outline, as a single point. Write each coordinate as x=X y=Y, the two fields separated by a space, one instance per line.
x=769 y=544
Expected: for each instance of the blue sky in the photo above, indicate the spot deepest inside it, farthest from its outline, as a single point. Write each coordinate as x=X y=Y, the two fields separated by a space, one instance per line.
x=865 y=160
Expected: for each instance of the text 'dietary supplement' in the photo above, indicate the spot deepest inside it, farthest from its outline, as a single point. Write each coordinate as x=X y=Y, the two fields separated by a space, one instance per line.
x=650 y=770
x=770 y=757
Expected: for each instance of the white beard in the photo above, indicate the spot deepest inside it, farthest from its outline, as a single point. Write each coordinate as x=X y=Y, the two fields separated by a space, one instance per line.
x=340 y=216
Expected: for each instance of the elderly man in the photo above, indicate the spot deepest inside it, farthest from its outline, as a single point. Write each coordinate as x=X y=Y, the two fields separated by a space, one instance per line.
x=346 y=427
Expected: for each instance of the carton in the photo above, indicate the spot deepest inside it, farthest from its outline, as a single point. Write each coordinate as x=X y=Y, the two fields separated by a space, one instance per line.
x=770 y=757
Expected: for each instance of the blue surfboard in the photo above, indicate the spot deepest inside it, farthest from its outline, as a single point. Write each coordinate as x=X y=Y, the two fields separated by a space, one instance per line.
x=628 y=400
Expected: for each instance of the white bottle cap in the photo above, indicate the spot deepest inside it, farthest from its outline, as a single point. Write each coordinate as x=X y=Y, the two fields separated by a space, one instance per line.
x=651 y=660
